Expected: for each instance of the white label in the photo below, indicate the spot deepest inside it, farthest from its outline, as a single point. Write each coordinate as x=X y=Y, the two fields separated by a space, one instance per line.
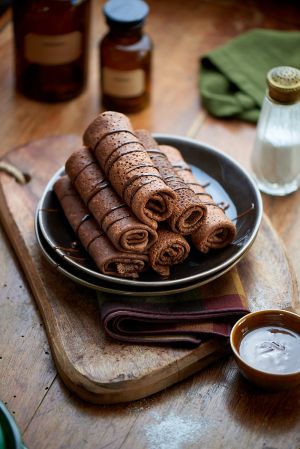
x=53 y=50
x=123 y=83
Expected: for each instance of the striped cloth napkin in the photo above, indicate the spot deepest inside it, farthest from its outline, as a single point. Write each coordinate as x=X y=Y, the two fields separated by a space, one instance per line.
x=189 y=317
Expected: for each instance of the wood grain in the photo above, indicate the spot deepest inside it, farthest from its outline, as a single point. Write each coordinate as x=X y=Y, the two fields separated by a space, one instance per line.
x=214 y=409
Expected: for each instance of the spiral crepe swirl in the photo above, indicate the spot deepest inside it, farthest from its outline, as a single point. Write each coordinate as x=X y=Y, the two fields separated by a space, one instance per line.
x=108 y=259
x=188 y=209
x=216 y=230
x=169 y=249
x=114 y=217
x=129 y=168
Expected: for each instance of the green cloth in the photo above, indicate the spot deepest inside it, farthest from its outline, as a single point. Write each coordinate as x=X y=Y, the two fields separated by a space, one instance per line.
x=233 y=77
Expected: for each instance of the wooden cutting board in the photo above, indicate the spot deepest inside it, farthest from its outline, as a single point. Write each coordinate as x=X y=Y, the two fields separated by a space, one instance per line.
x=96 y=368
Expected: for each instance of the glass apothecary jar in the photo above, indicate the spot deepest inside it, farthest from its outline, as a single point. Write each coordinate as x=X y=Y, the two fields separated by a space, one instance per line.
x=125 y=57
x=51 y=47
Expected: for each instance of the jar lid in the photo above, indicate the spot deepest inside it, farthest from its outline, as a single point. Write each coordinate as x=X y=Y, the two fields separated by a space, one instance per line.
x=129 y=13
x=284 y=84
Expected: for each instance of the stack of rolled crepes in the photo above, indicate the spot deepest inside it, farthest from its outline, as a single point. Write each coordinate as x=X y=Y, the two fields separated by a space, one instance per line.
x=216 y=230
x=116 y=220
x=131 y=204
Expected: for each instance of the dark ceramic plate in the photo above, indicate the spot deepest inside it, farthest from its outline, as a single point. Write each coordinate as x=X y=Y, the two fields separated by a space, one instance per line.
x=77 y=275
x=228 y=182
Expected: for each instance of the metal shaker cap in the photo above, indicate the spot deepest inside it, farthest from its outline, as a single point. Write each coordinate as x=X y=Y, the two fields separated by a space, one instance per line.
x=284 y=84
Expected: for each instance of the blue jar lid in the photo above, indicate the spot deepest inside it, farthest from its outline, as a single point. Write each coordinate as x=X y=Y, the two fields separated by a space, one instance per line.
x=125 y=13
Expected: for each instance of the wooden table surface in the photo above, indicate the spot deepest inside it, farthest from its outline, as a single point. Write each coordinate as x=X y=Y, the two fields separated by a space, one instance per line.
x=193 y=413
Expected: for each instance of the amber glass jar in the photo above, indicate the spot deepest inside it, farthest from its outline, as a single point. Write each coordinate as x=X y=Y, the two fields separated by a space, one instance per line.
x=51 y=47
x=125 y=57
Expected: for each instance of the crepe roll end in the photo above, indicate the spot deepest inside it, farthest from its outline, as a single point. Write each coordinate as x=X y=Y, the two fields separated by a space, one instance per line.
x=188 y=219
x=153 y=204
x=216 y=237
x=170 y=249
x=138 y=239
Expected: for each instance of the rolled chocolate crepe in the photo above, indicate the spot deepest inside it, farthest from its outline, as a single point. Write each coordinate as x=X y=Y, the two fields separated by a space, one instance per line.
x=108 y=259
x=216 y=230
x=188 y=209
x=128 y=167
x=169 y=249
x=198 y=315
x=114 y=217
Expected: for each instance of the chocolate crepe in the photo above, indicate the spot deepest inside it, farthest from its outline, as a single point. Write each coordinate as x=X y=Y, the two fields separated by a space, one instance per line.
x=129 y=168
x=191 y=317
x=169 y=249
x=217 y=230
x=188 y=209
x=114 y=217
x=108 y=259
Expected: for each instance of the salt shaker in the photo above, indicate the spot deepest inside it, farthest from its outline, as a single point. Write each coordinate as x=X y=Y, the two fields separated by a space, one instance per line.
x=276 y=153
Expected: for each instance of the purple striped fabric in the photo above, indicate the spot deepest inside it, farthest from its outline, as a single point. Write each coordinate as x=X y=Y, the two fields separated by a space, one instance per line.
x=189 y=317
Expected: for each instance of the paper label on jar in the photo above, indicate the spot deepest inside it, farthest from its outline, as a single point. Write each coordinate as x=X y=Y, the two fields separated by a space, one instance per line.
x=53 y=50
x=123 y=83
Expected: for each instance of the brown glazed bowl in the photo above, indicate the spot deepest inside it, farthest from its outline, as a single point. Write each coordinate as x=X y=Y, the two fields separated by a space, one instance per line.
x=256 y=320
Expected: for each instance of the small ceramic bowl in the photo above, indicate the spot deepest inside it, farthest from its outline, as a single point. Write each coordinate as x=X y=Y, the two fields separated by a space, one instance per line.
x=272 y=339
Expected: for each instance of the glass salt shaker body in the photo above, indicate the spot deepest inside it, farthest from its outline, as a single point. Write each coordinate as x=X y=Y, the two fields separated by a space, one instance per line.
x=125 y=57
x=276 y=153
